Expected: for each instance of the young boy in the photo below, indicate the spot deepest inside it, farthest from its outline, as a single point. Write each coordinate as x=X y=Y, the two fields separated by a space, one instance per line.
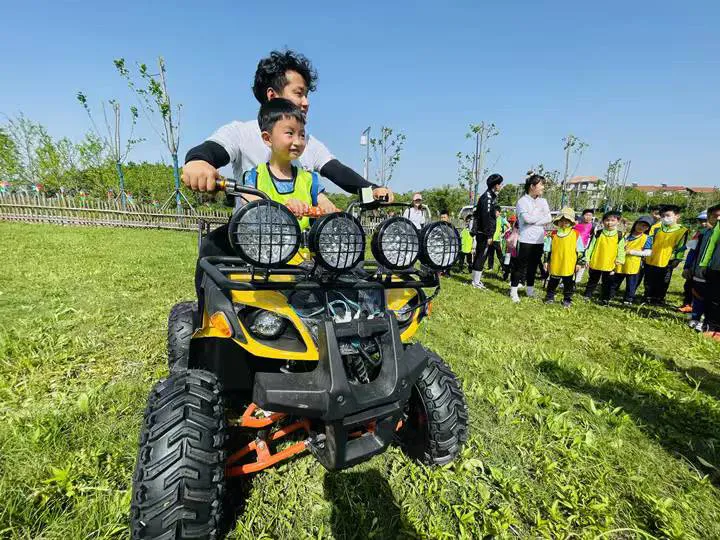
x=563 y=248
x=692 y=244
x=697 y=274
x=282 y=127
x=669 y=241
x=501 y=226
x=466 y=243
x=638 y=244
x=605 y=252
x=510 y=239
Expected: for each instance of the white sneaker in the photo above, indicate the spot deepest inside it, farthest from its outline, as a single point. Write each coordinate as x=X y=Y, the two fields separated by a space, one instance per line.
x=479 y=285
x=530 y=292
x=521 y=285
x=693 y=324
x=514 y=296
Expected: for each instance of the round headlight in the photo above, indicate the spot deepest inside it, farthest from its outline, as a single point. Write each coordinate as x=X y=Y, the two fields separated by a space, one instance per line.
x=266 y=324
x=264 y=233
x=440 y=243
x=338 y=241
x=396 y=243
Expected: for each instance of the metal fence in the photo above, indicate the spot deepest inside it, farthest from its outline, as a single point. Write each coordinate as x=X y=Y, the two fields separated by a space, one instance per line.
x=76 y=211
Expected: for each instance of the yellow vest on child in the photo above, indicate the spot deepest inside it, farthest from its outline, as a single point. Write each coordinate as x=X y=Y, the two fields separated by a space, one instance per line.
x=605 y=252
x=563 y=254
x=665 y=242
x=632 y=262
x=302 y=191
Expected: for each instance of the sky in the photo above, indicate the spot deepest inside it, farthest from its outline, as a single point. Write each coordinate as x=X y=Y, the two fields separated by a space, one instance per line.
x=635 y=80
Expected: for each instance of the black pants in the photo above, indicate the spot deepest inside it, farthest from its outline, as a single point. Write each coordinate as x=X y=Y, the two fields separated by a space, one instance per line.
x=687 y=292
x=481 y=251
x=568 y=287
x=712 y=300
x=631 y=285
x=495 y=249
x=594 y=277
x=526 y=264
x=465 y=258
x=657 y=281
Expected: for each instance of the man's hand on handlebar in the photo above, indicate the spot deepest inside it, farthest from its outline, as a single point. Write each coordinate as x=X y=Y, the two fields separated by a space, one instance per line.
x=383 y=194
x=199 y=175
x=325 y=205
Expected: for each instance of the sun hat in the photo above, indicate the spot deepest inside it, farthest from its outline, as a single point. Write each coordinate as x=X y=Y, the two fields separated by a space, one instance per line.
x=567 y=213
x=702 y=216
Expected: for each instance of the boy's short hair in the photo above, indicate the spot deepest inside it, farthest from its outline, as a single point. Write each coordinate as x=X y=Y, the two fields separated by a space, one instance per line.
x=611 y=213
x=714 y=208
x=587 y=211
x=276 y=109
x=270 y=73
x=444 y=212
x=497 y=208
x=674 y=208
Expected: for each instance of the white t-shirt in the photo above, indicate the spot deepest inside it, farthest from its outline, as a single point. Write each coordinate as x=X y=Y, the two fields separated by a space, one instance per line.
x=244 y=145
x=416 y=215
x=533 y=214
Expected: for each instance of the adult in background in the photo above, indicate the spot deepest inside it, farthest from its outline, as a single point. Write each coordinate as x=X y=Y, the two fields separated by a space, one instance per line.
x=484 y=222
x=533 y=213
x=416 y=213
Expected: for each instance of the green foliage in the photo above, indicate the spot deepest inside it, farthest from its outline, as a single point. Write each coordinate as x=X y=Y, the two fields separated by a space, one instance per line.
x=9 y=157
x=387 y=149
x=575 y=431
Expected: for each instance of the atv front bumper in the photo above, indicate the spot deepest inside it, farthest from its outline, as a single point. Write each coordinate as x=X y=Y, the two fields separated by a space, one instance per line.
x=326 y=394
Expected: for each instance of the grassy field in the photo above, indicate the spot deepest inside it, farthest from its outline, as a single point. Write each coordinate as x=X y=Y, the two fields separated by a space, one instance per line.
x=593 y=422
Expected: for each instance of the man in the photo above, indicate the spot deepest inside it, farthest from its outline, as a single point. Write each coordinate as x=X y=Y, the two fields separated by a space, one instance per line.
x=484 y=221
x=416 y=213
x=284 y=74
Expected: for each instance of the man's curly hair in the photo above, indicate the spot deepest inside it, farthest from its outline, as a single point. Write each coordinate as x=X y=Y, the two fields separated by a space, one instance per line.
x=271 y=71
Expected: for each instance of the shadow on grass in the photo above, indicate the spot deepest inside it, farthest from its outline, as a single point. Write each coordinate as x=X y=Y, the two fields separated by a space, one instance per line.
x=364 y=506
x=683 y=427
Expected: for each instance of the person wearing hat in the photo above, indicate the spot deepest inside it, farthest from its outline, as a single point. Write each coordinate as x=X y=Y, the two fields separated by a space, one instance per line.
x=484 y=222
x=702 y=225
x=563 y=248
x=605 y=252
x=416 y=213
x=638 y=244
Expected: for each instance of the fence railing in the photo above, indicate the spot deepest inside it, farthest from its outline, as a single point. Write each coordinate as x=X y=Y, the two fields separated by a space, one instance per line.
x=75 y=211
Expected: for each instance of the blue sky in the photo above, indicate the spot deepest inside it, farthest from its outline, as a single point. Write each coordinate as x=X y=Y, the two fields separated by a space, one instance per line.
x=636 y=80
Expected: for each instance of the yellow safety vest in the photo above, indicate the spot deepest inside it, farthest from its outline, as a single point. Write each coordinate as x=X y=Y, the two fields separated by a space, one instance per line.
x=302 y=191
x=563 y=254
x=466 y=241
x=605 y=252
x=664 y=244
x=632 y=262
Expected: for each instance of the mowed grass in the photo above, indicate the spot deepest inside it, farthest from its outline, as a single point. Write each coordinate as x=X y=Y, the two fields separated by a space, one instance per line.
x=593 y=422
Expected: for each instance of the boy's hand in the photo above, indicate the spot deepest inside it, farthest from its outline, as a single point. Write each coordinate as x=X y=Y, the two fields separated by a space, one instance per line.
x=297 y=207
x=380 y=192
x=577 y=268
x=326 y=205
x=199 y=175
x=545 y=267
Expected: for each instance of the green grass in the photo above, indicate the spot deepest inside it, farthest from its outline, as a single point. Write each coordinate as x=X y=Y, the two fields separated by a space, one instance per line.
x=593 y=422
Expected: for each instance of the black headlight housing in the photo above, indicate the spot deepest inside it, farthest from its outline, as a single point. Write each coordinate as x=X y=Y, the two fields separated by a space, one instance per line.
x=395 y=243
x=440 y=245
x=264 y=233
x=337 y=241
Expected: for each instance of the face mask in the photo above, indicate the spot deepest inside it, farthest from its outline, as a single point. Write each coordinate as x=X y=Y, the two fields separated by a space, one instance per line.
x=563 y=230
x=667 y=220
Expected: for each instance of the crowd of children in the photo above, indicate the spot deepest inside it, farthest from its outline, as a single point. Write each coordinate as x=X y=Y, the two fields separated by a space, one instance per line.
x=617 y=253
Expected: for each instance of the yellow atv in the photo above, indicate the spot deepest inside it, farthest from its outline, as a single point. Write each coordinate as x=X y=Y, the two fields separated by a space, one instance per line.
x=300 y=344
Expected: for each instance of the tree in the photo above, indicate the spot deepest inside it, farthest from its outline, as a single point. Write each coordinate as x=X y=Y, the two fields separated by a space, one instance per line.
x=56 y=164
x=27 y=137
x=387 y=150
x=9 y=159
x=635 y=200
x=571 y=144
x=471 y=166
x=118 y=146
x=151 y=90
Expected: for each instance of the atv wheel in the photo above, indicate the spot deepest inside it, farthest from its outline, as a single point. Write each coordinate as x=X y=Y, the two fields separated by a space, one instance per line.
x=181 y=325
x=435 y=427
x=179 y=478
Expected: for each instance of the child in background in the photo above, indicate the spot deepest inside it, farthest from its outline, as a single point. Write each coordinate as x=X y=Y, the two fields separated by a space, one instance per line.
x=466 y=244
x=563 y=248
x=585 y=229
x=669 y=241
x=692 y=244
x=710 y=269
x=605 y=252
x=512 y=235
x=501 y=226
x=638 y=244
x=697 y=274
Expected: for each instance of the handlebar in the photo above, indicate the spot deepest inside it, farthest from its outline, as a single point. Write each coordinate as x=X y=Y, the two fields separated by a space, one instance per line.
x=231 y=187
